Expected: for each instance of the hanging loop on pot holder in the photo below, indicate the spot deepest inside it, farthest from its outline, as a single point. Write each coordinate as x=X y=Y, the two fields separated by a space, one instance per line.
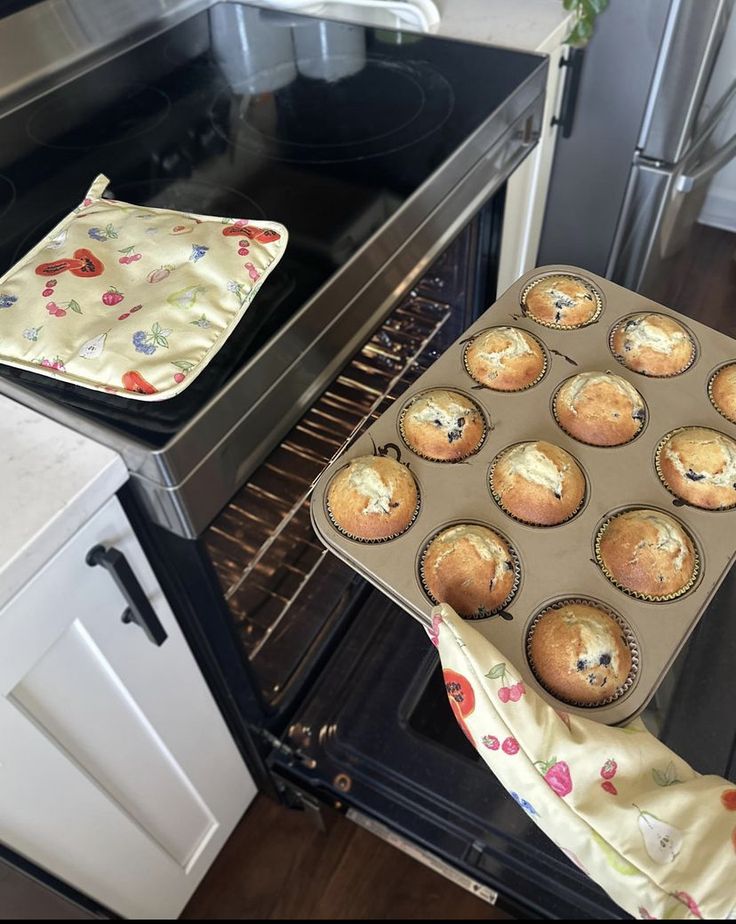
x=98 y=187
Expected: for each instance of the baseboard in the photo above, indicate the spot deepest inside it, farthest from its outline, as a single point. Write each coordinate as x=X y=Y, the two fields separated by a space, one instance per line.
x=719 y=209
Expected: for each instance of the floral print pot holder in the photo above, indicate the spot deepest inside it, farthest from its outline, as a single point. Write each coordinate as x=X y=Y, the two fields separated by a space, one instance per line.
x=132 y=300
x=606 y=796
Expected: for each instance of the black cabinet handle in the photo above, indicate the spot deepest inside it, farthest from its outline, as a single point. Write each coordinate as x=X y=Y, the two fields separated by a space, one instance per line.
x=139 y=609
x=573 y=61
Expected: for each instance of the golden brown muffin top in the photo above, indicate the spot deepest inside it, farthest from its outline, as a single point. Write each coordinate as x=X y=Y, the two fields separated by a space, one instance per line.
x=539 y=463
x=705 y=459
x=658 y=333
x=562 y=300
x=448 y=410
x=648 y=552
x=722 y=391
x=579 y=653
x=372 y=497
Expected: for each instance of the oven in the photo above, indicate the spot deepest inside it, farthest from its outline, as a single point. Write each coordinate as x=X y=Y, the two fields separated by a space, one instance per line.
x=332 y=693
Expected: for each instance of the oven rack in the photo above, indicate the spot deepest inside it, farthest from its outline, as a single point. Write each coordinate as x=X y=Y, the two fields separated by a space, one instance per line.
x=262 y=545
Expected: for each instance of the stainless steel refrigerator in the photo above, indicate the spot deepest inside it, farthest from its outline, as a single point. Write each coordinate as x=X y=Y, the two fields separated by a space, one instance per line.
x=655 y=120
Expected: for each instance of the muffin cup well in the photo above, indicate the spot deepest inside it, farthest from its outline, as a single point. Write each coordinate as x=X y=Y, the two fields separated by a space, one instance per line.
x=360 y=539
x=649 y=598
x=594 y=291
x=497 y=497
x=507 y=391
x=661 y=476
x=628 y=636
x=553 y=407
x=514 y=560
x=619 y=359
x=711 y=380
x=422 y=455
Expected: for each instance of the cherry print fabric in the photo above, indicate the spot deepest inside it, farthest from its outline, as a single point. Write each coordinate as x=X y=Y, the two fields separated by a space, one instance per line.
x=131 y=300
x=657 y=836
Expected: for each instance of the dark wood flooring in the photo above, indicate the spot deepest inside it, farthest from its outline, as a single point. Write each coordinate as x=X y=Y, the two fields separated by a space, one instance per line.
x=277 y=865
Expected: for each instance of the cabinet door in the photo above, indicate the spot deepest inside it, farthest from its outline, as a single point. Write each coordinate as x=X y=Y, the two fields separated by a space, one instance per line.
x=117 y=772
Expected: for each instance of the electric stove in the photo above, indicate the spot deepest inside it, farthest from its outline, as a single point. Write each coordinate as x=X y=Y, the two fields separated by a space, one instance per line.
x=373 y=147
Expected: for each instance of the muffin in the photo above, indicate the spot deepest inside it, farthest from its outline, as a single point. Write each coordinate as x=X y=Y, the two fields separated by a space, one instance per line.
x=505 y=359
x=579 y=653
x=647 y=553
x=599 y=408
x=698 y=465
x=722 y=391
x=653 y=344
x=561 y=300
x=538 y=483
x=373 y=498
x=442 y=425
x=471 y=568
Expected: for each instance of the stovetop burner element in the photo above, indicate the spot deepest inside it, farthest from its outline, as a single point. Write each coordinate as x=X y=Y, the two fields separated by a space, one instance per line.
x=138 y=109
x=384 y=107
x=7 y=194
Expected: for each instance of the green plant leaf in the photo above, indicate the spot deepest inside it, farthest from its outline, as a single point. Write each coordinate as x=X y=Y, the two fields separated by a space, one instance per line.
x=598 y=6
x=74 y=306
x=569 y=4
x=497 y=671
x=183 y=364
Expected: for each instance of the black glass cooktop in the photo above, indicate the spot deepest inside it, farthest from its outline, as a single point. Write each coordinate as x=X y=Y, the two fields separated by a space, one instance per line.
x=248 y=113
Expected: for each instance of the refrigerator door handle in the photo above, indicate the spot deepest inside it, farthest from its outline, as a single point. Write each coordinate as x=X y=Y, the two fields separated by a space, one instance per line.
x=688 y=181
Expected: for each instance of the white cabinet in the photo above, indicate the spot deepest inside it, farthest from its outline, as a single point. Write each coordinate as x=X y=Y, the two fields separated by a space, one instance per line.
x=526 y=190
x=117 y=772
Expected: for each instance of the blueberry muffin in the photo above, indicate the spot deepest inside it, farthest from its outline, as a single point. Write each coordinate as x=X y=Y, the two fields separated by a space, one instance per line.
x=647 y=553
x=653 y=344
x=505 y=359
x=442 y=425
x=373 y=498
x=579 y=653
x=562 y=301
x=471 y=568
x=538 y=483
x=698 y=465
x=722 y=390
x=599 y=408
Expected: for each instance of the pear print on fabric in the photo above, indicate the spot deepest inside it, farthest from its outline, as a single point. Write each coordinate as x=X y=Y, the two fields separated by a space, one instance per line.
x=662 y=841
x=93 y=348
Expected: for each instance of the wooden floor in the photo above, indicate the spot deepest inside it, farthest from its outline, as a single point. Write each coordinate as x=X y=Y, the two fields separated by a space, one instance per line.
x=277 y=865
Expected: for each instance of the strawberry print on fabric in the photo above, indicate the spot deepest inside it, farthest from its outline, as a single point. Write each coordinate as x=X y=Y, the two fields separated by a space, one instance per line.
x=556 y=774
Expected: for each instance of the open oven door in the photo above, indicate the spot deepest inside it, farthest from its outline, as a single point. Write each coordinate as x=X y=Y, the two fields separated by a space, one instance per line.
x=377 y=738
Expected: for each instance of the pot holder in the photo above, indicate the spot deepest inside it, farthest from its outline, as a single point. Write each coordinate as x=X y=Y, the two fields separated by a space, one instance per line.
x=132 y=300
x=657 y=836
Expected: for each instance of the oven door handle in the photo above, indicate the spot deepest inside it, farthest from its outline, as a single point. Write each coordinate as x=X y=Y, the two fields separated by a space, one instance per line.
x=139 y=609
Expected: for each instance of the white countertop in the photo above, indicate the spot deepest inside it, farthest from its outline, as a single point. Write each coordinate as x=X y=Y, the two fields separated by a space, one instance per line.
x=523 y=24
x=51 y=481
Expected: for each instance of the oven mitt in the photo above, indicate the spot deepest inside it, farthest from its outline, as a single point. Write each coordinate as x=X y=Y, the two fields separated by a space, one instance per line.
x=132 y=300
x=657 y=836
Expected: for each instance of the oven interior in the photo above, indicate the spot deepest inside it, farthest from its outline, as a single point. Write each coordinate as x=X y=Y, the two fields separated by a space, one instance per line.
x=284 y=591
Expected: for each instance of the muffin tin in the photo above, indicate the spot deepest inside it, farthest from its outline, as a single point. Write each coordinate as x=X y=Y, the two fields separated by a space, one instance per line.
x=556 y=562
